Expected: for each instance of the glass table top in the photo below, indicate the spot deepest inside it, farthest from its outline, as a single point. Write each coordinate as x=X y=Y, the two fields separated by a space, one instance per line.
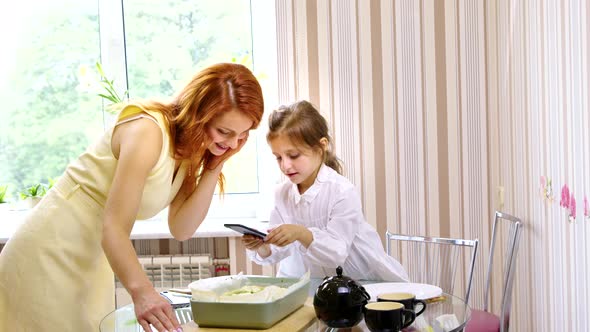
x=446 y=313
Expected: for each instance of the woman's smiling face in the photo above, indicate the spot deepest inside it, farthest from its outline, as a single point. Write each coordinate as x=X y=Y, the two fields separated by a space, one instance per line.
x=225 y=131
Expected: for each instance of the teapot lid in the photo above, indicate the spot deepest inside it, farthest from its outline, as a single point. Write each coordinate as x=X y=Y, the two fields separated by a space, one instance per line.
x=332 y=288
x=338 y=275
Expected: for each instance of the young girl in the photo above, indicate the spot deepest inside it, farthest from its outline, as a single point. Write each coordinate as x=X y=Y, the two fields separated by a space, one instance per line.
x=317 y=223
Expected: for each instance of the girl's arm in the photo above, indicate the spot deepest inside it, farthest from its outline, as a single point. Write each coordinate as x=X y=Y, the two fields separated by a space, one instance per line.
x=330 y=246
x=137 y=145
x=266 y=253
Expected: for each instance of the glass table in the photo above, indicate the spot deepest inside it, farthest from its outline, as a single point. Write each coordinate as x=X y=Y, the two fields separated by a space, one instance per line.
x=123 y=320
x=446 y=313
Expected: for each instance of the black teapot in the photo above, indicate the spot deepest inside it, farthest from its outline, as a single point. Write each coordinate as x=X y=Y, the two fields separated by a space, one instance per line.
x=339 y=301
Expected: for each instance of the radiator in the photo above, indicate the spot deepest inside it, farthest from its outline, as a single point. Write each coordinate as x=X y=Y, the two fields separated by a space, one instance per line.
x=172 y=264
x=167 y=272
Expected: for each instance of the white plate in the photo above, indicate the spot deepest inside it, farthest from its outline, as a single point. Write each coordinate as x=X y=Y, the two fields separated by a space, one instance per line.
x=422 y=291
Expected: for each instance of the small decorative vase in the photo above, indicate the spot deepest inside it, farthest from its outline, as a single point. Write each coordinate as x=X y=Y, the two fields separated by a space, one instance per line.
x=30 y=202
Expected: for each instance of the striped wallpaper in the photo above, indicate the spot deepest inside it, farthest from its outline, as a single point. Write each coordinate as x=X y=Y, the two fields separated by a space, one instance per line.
x=446 y=110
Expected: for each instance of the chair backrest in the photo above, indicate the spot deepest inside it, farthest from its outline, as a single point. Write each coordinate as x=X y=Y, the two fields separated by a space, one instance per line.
x=435 y=260
x=511 y=227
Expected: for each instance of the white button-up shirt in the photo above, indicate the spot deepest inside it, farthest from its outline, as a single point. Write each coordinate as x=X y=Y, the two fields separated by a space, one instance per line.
x=331 y=209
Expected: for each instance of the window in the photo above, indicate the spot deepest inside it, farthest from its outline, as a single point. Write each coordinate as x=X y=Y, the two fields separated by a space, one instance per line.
x=46 y=120
x=150 y=48
x=168 y=41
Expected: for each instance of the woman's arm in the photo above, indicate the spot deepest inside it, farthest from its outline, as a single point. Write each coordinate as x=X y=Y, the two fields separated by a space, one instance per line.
x=137 y=145
x=190 y=206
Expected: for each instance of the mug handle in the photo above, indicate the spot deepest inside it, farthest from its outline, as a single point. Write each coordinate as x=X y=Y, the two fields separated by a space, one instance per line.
x=409 y=317
x=423 y=303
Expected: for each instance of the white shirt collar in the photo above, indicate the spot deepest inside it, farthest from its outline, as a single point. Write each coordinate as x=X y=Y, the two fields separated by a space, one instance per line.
x=311 y=193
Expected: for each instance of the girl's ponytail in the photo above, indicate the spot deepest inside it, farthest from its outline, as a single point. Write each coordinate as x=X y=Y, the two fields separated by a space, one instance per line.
x=303 y=124
x=330 y=158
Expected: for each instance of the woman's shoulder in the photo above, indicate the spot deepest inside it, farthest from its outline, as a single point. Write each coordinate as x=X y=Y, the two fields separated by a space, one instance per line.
x=130 y=112
x=131 y=109
x=127 y=109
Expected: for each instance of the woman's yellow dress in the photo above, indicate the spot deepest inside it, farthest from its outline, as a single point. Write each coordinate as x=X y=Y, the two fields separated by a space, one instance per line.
x=54 y=275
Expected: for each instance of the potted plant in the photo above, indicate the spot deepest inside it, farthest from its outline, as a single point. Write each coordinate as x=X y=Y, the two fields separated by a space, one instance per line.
x=104 y=87
x=33 y=194
x=109 y=86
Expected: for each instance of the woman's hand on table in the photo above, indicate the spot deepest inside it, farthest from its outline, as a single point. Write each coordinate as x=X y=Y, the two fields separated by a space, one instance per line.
x=152 y=308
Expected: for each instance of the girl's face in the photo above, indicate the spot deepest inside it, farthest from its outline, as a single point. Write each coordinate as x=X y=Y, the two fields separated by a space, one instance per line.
x=226 y=129
x=299 y=164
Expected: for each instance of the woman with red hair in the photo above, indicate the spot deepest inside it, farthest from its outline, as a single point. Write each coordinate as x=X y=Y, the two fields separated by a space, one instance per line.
x=56 y=271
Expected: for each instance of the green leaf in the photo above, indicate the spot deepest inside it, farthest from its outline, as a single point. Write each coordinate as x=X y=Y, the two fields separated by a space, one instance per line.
x=36 y=190
x=99 y=68
x=113 y=94
x=109 y=86
x=51 y=182
x=111 y=98
x=3 y=190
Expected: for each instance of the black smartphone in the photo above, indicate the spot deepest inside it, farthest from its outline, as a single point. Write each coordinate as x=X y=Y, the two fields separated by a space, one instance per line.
x=246 y=230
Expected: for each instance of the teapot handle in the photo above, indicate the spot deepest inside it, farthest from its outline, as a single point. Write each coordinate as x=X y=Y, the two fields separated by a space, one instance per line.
x=365 y=293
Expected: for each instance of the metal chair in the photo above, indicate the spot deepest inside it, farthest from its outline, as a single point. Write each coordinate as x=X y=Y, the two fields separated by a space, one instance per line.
x=434 y=260
x=485 y=320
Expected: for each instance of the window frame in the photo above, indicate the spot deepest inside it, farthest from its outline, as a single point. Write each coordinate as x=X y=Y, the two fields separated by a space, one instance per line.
x=264 y=54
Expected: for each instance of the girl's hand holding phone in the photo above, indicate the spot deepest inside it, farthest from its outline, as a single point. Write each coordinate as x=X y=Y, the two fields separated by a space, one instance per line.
x=252 y=242
x=256 y=243
x=288 y=233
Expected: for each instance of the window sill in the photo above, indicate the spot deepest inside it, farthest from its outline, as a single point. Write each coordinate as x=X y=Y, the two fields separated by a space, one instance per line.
x=154 y=228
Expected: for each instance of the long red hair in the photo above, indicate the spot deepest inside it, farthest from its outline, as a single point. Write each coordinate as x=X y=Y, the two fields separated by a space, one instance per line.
x=211 y=92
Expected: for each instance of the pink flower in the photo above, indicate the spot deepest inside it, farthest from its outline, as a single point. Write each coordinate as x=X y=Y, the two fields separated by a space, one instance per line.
x=565 y=196
x=586 y=207
x=543 y=182
x=573 y=206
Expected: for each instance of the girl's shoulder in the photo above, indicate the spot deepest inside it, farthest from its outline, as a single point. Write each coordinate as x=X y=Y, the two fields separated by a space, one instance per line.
x=329 y=177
